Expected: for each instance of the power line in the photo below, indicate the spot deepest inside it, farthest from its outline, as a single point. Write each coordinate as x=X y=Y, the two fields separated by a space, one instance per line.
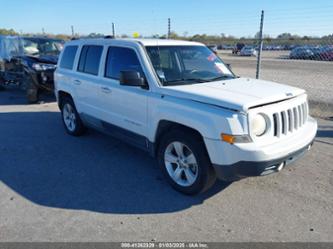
x=113 y=30
x=260 y=45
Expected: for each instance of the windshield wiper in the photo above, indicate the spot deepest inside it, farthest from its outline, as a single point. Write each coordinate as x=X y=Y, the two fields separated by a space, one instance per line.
x=222 y=77
x=190 y=80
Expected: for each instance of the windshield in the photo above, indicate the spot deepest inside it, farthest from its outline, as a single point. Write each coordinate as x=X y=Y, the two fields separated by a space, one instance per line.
x=178 y=65
x=36 y=46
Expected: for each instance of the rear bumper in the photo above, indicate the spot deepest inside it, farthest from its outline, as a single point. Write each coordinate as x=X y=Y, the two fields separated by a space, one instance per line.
x=243 y=169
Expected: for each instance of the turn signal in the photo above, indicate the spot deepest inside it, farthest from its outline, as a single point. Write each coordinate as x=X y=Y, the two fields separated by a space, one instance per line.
x=228 y=138
x=231 y=139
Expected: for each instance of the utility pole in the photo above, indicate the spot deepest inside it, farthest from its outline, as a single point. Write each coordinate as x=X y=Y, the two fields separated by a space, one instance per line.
x=43 y=31
x=113 y=30
x=169 y=28
x=73 y=34
x=260 y=45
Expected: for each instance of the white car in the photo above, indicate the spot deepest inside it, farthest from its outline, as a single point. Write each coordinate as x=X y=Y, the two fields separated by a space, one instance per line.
x=178 y=101
x=248 y=51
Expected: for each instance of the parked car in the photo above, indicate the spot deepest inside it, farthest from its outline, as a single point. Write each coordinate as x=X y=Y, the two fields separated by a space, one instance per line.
x=29 y=62
x=213 y=47
x=301 y=53
x=238 y=47
x=326 y=54
x=225 y=47
x=248 y=51
x=178 y=101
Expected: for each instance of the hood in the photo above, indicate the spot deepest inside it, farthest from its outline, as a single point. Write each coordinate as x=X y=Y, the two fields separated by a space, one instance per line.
x=49 y=59
x=237 y=94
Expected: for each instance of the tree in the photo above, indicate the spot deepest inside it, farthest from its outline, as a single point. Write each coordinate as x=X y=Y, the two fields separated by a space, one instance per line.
x=96 y=35
x=8 y=32
x=284 y=36
x=62 y=37
x=173 y=35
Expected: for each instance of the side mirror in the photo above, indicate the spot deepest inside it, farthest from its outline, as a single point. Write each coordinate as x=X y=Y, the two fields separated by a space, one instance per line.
x=132 y=78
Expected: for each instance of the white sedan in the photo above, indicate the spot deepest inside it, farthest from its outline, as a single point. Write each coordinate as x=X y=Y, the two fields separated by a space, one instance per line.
x=248 y=51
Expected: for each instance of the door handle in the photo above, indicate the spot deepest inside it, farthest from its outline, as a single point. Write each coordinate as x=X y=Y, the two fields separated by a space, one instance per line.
x=77 y=82
x=106 y=89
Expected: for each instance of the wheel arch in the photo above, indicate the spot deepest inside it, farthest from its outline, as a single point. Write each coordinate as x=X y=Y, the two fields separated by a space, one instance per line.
x=61 y=96
x=164 y=126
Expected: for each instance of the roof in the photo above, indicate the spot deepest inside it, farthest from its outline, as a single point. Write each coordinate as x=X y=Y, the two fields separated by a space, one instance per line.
x=165 y=42
x=145 y=42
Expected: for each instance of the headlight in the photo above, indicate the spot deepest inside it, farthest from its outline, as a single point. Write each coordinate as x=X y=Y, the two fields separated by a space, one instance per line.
x=43 y=66
x=259 y=125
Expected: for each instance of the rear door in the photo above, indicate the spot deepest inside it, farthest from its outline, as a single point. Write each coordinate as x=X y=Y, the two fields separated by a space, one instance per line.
x=87 y=81
x=64 y=75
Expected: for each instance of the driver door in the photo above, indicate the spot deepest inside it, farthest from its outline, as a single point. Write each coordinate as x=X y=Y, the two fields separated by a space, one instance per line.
x=125 y=107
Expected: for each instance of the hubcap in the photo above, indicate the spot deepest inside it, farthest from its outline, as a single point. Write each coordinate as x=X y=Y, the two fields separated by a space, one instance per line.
x=69 y=117
x=181 y=164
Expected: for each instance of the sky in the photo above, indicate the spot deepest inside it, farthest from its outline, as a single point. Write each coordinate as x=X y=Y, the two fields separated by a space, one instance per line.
x=188 y=17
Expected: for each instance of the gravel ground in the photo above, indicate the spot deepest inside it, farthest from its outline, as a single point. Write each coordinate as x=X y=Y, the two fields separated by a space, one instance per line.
x=54 y=187
x=316 y=77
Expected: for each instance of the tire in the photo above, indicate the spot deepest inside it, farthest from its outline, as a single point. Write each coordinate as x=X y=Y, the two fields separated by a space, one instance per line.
x=32 y=91
x=32 y=96
x=70 y=118
x=184 y=161
x=2 y=82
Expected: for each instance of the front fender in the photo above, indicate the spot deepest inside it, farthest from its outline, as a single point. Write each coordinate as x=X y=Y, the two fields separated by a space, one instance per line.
x=210 y=121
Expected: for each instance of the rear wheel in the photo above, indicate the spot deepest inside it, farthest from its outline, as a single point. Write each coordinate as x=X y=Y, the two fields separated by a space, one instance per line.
x=70 y=117
x=184 y=161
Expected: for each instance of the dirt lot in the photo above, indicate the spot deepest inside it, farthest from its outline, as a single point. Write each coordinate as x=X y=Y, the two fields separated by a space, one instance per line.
x=54 y=187
x=316 y=77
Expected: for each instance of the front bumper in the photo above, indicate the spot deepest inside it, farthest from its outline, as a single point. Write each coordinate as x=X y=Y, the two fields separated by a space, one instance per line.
x=243 y=169
x=44 y=79
x=234 y=161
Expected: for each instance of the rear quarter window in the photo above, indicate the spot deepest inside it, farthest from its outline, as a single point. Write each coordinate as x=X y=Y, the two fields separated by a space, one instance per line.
x=68 y=56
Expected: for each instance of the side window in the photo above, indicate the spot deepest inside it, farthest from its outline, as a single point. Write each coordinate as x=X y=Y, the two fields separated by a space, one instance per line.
x=89 y=59
x=82 y=60
x=67 y=59
x=121 y=59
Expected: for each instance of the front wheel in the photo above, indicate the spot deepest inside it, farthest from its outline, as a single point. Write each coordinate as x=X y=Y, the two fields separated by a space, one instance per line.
x=71 y=118
x=184 y=161
x=32 y=90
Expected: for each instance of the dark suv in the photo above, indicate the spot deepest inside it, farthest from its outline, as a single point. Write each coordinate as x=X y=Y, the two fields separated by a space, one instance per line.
x=238 y=47
x=29 y=62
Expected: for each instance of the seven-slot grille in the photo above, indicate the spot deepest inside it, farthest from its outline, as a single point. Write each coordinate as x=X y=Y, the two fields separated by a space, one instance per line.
x=288 y=121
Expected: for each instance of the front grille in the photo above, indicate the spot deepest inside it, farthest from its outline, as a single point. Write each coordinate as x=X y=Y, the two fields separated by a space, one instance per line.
x=289 y=120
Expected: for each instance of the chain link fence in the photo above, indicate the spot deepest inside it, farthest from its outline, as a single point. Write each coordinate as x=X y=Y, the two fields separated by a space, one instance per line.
x=301 y=61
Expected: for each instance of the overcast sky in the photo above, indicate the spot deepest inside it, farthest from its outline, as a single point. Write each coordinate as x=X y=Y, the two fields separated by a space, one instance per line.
x=233 y=17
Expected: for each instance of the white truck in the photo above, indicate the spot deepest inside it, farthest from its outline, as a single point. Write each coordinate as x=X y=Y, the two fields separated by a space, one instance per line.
x=178 y=101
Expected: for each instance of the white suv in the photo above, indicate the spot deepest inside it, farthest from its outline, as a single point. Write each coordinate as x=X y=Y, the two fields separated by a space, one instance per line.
x=181 y=103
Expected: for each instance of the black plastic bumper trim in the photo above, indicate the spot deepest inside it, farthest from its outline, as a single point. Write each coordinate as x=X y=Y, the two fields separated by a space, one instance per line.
x=243 y=169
